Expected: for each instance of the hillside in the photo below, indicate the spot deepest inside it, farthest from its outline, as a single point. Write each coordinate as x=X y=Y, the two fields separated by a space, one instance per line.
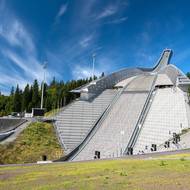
x=36 y=140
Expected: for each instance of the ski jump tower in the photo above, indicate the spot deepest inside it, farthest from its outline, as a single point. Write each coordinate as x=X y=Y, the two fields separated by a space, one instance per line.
x=131 y=111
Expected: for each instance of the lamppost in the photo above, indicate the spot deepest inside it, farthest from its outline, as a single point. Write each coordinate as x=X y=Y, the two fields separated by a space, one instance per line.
x=43 y=82
x=93 y=62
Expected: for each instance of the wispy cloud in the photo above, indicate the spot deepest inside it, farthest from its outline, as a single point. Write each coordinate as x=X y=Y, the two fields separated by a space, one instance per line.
x=29 y=65
x=30 y=69
x=61 y=12
x=86 y=40
x=18 y=50
x=117 y=21
x=22 y=53
x=16 y=35
x=108 y=11
x=102 y=64
x=145 y=56
x=80 y=72
x=7 y=82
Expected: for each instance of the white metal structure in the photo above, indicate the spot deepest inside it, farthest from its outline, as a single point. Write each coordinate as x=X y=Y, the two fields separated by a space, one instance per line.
x=147 y=108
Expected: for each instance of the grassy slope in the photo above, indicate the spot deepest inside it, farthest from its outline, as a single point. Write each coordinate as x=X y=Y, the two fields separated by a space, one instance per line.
x=36 y=140
x=51 y=113
x=97 y=175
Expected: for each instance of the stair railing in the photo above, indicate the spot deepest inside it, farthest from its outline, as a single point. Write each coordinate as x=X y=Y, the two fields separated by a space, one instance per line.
x=95 y=128
x=141 y=118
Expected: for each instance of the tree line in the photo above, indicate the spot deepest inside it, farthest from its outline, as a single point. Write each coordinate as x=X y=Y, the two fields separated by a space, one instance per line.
x=56 y=95
x=188 y=75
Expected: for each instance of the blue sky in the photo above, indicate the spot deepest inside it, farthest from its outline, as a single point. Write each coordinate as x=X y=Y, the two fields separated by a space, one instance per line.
x=122 y=33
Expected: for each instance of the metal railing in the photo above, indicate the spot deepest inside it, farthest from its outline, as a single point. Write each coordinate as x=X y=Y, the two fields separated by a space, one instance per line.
x=95 y=128
x=64 y=147
x=141 y=118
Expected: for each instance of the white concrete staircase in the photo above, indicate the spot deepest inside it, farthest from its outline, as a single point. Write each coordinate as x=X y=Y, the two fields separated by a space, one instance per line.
x=74 y=123
x=166 y=116
x=115 y=131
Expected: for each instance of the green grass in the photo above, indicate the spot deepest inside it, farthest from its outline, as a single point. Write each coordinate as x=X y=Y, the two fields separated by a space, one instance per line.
x=36 y=140
x=51 y=113
x=176 y=156
x=97 y=175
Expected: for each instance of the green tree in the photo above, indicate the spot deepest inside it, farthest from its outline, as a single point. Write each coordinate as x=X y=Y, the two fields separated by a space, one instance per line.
x=9 y=106
x=189 y=91
x=26 y=99
x=12 y=91
x=56 y=94
x=95 y=77
x=35 y=95
x=3 y=102
x=17 y=101
x=102 y=75
x=188 y=75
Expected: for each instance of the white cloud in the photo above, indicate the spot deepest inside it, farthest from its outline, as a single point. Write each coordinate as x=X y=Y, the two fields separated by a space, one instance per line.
x=13 y=81
x=145 y=56
x=86 y=41
x=83 y=72
x=102 y=64
x=17 y=38
x=29 y=65
x=15 y=33
x=108 y=11
x=61 y=11
x=117 y=21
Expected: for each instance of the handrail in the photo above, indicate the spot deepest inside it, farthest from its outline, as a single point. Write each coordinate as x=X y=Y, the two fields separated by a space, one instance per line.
x=97 y=120
x=145 y=115
x=102 y=118
x=55 y=125
x=136 y=131
x=143 y=120
x=94 y=129
x=59 y=139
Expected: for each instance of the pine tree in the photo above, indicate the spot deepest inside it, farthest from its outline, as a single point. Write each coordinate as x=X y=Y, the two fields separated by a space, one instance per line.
x=56 y=94
x=102 y=75
x=12 y=91
x=26 y=98
x=9 y=106
x=53 y=82
x=35 y=95
x=17 y=100
x=95 y=77
x=188 y=75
